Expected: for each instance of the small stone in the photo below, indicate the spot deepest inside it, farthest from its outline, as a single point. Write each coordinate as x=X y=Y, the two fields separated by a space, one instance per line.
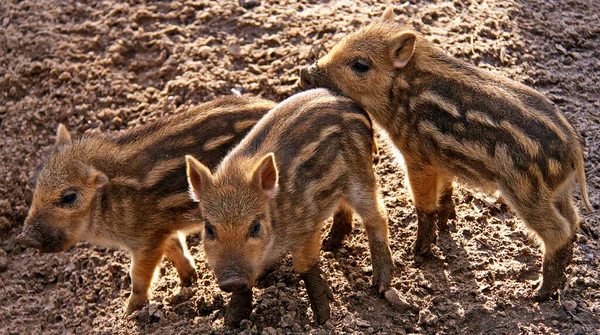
x=249 y=3
x=234 y=49
x=204 y=51
x=363 y=323
x=103 y=29
x=349 y=320
x=269 y=331
x=65 y=76
x=569 y=305
x=9 y=244
x=3 y=261
x=268 y=302
x=157 y=314
x=292 y=306
x=117 y=122
x=427 y=318
x=245 y=324
x=152 y=309
x=287 y=320
x=393 y=297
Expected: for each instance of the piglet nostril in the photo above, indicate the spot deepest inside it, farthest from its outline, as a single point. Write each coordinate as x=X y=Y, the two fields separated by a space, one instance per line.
x=233 y=284
x=306 y=79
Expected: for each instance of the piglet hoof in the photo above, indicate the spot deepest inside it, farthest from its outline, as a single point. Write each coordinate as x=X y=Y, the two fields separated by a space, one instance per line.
x=332 y=244
x=553 y=271
x=549 y=286
x=383 y=266
x=319 y=293
x=426 y=233
x=239 y=308
x=135 y=303
x=190 y=279
x=544 y=291
x=422 y=248
x=543 y=295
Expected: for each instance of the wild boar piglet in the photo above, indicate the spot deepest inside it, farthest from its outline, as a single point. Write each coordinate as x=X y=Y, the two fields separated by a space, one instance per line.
x=448 y=119
x=307 y=157
x=130 y=190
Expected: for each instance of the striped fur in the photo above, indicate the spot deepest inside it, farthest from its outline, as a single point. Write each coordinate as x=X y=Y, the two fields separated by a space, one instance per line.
x=449 y=118
x=131 y=189
x=272 y=193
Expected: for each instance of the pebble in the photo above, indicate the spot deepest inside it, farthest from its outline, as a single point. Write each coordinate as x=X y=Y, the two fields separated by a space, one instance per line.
x=287 y=320
x=65 y=76
x=3 y=261
x=249 y=3
x=9 y=244
x=393 y=297
x=292 y=306
x=204 y=51
x=117 y=122
x=363 y=323
x=427 y=318
x=569 y=305
x=234 y=49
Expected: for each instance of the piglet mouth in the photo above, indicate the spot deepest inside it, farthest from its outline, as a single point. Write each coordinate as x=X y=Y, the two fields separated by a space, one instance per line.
x=49 y=242
x=235 y=281
x=313 y=77
x=28 y=242
x=234 y=284
x=306 y=79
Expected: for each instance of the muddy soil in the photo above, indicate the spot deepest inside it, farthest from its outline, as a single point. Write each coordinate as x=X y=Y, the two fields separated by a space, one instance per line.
x=108 y=66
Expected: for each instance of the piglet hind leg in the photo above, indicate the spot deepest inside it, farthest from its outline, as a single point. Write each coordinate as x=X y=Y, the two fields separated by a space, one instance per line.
x=142 y=271
x=340 y=229
x=446 y=210
x=557 y=233
x=176 y=251
x=305 y=259
x=375 y=221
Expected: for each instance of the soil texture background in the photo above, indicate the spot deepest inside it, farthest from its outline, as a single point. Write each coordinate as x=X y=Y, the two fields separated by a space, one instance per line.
x=100 y=66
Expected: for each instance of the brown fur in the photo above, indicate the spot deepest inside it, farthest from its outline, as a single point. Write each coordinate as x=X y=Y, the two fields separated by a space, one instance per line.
x=131 y=190
x=271 y=194
x=449 y=119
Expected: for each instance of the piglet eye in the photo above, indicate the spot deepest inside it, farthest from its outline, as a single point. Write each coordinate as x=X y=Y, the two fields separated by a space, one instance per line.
x=255 y=229
x=209 y=231
x=68 y=198
x=360 y=66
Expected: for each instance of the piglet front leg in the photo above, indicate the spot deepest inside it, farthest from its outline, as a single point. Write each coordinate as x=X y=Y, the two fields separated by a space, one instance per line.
x=239 y=308
x=319 y=293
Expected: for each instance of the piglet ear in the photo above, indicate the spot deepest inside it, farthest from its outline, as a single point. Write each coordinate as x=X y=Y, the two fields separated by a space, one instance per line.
x=265 y=175
x=388 y=15
x=199 y=176
x=402 y=48
x=97 y=178
x=62 y=135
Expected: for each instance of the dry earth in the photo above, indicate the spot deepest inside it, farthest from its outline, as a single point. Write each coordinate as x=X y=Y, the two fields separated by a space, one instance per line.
x=108 y=65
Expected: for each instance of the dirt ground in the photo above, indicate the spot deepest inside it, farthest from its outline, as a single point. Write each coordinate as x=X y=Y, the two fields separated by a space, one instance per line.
x=108 y=66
